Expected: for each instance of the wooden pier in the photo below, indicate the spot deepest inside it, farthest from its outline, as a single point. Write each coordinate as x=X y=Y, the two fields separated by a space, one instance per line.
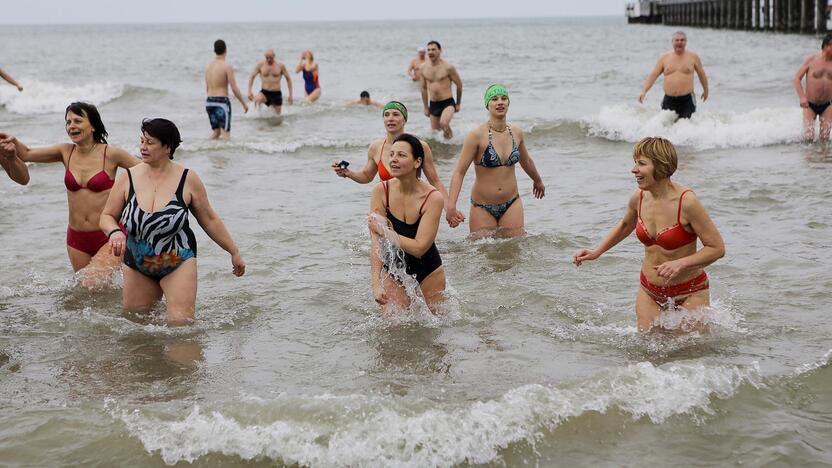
x=788 y=16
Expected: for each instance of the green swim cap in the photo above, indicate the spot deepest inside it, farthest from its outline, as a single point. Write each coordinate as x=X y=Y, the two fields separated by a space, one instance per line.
x=398 y=106
x=495 y=90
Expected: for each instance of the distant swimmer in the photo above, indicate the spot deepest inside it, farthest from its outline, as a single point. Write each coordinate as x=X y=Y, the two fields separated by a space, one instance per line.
x=146 y=220
x=91 y=166
x=364 y=100
x=309 y=68
x=271 y=73
x=394 y=116
x=438 y=102
x=406 y=211
x=678 y=66
x=14 y=166
x=11 y=80
x=673 y=271
x=414 y=70
x=219 y=75
x=494 y=148
x=816 y=100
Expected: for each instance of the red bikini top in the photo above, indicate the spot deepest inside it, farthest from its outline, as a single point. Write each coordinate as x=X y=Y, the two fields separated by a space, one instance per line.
x=383 y=173
x=100 y=182
x=670 y=238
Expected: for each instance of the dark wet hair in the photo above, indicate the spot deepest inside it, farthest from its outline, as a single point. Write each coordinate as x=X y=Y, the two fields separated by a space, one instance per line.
x=437 y=44
x=99 y=133
x=163 y=130
x=219 y=47
x=415 y=146
x=827 y=39
x=365 y=94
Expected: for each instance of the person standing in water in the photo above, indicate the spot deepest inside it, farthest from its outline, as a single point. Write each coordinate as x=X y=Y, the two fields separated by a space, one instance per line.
x=437 y=100
x=816 y=100
x=496 y=207
x=673 y=271
x=365 y=100
x=10 y=80
x=678 y=66
x=219 y=75
x=406 y=212
x=91 y=166
x=14 y=166
x=153 y=201
x=414 y=70
x=394 y=116
x=309 y=68
x=271 y=74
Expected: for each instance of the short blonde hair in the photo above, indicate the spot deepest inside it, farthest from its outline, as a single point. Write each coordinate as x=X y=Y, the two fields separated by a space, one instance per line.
x=661 y=152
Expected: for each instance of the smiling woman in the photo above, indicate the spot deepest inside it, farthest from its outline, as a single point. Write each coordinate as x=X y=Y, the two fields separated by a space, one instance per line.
x=89 y=159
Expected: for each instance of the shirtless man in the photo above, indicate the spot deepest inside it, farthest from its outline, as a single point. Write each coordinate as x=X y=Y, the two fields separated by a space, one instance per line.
x=271 y=72
x=218 y=76
x=816 y=100
x=437 y=76
x=11 y=80
x=413 y=70
x=14 y=166
x=678 y=66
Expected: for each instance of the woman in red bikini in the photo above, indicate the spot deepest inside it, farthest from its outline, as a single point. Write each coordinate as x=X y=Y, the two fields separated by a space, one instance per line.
x=672 y=274
x=90 y=172
x=395 y=118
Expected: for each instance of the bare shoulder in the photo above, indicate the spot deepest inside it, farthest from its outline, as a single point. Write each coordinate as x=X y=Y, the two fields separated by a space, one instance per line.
x=517 y=131
x=376 y=144
x=435 y=199
x=634 y=197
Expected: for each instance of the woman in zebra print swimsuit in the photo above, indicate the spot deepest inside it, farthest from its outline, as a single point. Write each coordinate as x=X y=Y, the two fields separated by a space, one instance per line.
x=160 y=248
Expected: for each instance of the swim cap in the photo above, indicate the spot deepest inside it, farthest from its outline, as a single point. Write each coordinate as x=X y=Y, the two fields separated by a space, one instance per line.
x=495 y=90
x=398 y=106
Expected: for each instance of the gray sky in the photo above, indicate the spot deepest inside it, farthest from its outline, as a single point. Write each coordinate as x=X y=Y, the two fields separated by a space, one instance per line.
x=151 y=11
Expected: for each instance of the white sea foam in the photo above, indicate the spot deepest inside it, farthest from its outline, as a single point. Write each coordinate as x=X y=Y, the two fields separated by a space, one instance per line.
x=759 y=127
x=813 y=366
x=360 y=430
x=42 y=97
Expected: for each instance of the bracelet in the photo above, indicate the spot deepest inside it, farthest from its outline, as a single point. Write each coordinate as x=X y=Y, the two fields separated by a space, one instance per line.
x=113 y=232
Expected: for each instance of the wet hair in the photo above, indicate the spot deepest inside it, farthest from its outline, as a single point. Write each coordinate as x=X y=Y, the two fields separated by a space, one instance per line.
x=680 y=33
x=416 y=148
x=85 y=109
x=163 y=130
x=827 y=39
x=437 y=44
x=219 y=47
x=661 y=152
x=365 y=94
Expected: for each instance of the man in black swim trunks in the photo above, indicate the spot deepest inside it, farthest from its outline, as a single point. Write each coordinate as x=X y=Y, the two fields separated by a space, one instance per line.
x=816 y=100
x=271 y=72
x=437 y=76
x=678 y=66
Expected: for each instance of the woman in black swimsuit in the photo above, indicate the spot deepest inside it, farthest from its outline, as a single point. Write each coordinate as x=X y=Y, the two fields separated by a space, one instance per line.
x=406 y=212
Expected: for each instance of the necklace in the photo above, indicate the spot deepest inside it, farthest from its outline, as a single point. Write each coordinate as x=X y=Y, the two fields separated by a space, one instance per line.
x=498 y=131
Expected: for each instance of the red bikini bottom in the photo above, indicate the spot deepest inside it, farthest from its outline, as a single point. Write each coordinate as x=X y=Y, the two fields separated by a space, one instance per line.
x=677 y=292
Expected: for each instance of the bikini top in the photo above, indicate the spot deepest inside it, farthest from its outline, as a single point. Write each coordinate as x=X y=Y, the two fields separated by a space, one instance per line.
x=383 y=173
x=100 y=182
x=402 y=228
x=490 y=158
x=670 y=238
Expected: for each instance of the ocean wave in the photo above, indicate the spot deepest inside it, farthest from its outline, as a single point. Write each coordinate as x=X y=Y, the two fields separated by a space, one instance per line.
x=706 y=130
x=42 y=97
x=277 y=146
x=359 y=430
x=824 y=361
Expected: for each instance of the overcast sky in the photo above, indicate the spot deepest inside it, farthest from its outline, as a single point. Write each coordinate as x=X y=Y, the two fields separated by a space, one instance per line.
x=153 y=11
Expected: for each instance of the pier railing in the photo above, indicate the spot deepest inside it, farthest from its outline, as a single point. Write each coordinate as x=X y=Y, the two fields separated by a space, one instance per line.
x=793 y=16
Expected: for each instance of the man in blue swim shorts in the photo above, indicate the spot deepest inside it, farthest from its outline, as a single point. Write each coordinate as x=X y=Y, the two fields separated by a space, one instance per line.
x=219 y=75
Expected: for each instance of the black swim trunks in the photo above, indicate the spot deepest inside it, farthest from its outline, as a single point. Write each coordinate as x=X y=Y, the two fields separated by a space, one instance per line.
x=273 y=98
x=683 y=106
x=819 y=109
x=436 y=108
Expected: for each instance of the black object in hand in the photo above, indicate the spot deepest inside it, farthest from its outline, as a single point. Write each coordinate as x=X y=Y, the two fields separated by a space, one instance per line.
x=343 y=164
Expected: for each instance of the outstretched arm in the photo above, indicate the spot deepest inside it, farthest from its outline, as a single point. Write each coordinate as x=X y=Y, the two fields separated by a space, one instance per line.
x=618 y=233
x=45 y=154
x=211 y=222
x=365 y=175
x=466 y=157
x=14 y=166
x=526 y=162
x=700 y=71
x=11 y=80
x=798 y=82
x=651 y=78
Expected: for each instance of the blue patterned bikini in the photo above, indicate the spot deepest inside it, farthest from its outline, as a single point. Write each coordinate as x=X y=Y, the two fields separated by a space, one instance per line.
x=490 y=158
x=158 y=242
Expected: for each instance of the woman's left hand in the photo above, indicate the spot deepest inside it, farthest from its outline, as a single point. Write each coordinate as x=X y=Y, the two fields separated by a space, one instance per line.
x=538 y=189
x=238 y=264
x=671 y=269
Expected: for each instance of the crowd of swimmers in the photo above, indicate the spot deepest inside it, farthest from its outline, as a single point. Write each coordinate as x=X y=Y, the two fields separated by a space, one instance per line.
x=141 y=217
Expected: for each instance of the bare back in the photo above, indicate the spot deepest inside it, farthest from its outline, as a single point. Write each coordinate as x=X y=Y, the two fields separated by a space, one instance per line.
x=819 y=79
x=216 y=77
x=438 y=79
x=678 y=72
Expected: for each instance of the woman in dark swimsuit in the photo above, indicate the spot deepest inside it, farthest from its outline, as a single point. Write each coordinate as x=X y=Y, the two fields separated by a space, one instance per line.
x=90 y=170
x=308 y=67
x=406 y=211
x=496 y=207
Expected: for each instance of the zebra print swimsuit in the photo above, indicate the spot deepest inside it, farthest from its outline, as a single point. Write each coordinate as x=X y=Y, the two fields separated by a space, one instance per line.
x=159 y=241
